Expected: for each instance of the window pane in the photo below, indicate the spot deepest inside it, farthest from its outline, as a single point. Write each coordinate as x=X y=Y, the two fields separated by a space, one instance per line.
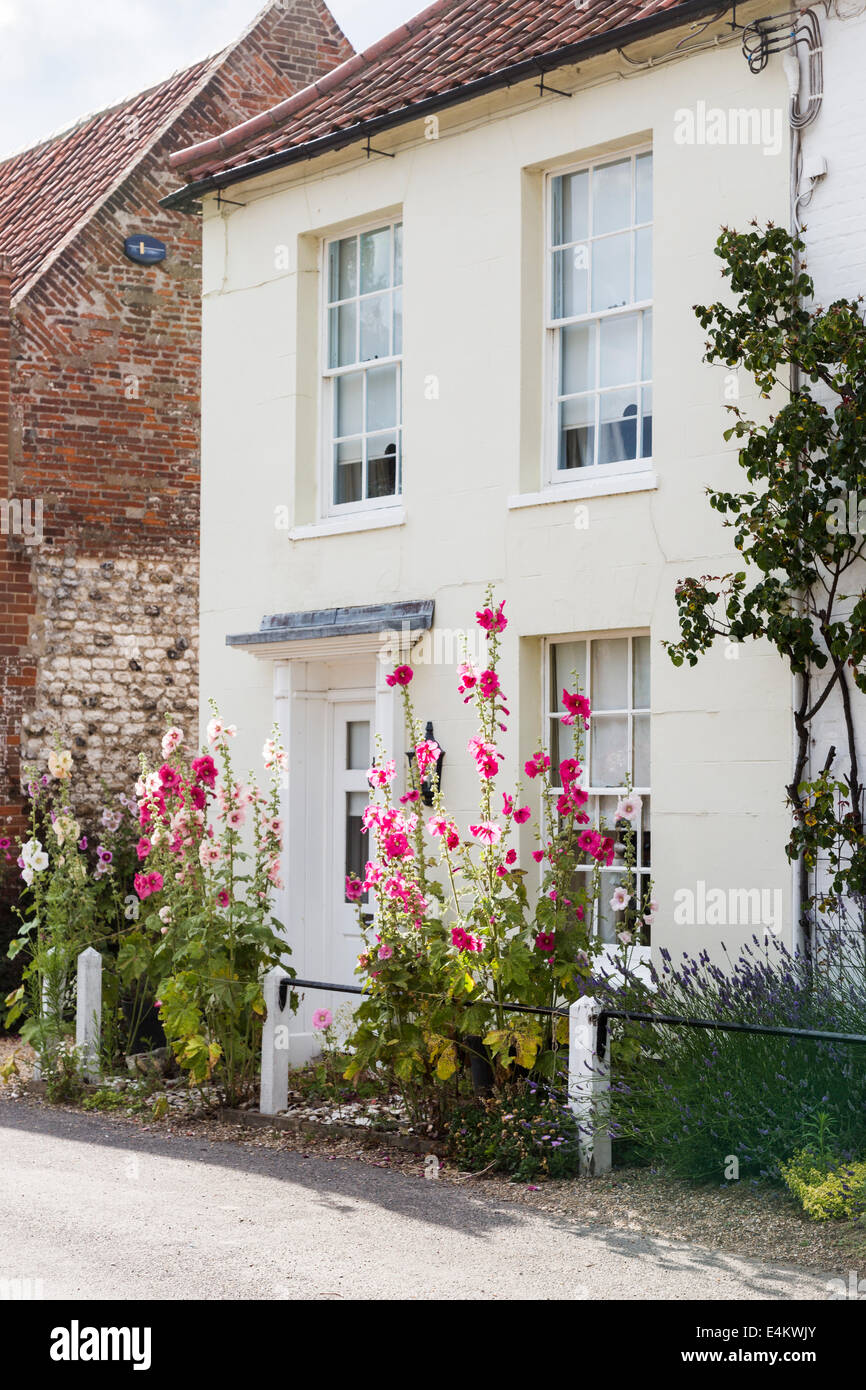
x=611 y=197
x=398 y=322
x=570 y=274
x=382 y=465
x=375 y=260
x=640 y=771
x=342 y=330
x=617 y=429
x=356 y=840
x=610 y=673
x=577 y=432
x=375 y=327
x=640 y=658
x=608 y=920
x=343 y=276
x=348 y=472
x=570 y=208
x=643 y=264
x=358 y=746
x=647 y=364
x=567 y=657
x=577 y=359
x=646 y=422
x=618 y=361
x=381 y=398
x=609 y=750
x=611 y=272
x=349 y=394
x=643 y=193
x=398 y=254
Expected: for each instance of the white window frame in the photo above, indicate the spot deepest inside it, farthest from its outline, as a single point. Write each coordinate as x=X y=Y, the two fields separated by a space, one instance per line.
x=550 y=706
x=553 y=475
x=328 y=375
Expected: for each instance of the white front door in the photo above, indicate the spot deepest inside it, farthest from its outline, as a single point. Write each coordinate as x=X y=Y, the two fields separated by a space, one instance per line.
x=352 y=753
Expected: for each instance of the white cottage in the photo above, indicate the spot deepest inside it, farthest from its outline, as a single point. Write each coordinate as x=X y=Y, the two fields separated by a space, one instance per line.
x=449 y=339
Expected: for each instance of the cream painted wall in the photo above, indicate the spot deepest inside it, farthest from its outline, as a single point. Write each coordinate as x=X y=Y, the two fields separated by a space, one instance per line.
x=471 y=207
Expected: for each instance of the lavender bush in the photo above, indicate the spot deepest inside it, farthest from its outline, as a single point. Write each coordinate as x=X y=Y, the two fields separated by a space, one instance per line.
x=693 y=1100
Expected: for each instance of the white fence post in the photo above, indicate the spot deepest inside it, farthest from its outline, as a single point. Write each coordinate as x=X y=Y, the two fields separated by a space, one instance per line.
x=274 y=1093
x=88 y=1011
x=589 y=1085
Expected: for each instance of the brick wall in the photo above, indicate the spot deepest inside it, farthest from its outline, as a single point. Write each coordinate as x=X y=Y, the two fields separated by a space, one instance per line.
x=98 y=622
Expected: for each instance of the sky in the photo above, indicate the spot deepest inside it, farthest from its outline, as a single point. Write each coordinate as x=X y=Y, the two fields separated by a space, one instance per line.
x=62 y=59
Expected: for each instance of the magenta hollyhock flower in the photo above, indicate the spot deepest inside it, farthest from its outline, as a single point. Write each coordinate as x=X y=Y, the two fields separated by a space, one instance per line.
x=545 y=941
x=82 y=843
x=409 y=797
x=397 y=845
x=401 y=675
x=537 y=764
x=204 y=770
x=468 y=677
x=385 y=952
x=511 y=856
x=428 y=753
x=486 y=757
x=222 y=897
x=322 y=1019
x=145 y=884
x=354 y=890
x=569 y=770
x=452 y=839
x=577 y=705
x=488 y=831
x=538 y=855
x=143 y=847
x=488 y=684
x=492 y=620
x=198 y=798
x=589 y=841
x=507 y=804
x=522 y=814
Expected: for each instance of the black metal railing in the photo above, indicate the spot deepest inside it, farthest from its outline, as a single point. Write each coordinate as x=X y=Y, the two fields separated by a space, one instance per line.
x=630 y=1015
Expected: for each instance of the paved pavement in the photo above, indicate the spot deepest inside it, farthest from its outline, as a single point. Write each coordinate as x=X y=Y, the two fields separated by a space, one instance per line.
x=101 y=1209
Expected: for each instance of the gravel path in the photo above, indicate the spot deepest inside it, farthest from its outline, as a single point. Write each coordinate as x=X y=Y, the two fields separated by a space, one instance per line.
x=100 y=1208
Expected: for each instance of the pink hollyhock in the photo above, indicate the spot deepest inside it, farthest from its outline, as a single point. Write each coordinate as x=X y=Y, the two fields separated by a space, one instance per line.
x=397 y=846
x=488 y=831
x=569 y=771
x=410 y=797
x=538 y=855
x=501 y=872
x=204 y=770
x=468 y=676
x=507 y=804
x=492 y=620
x=401 y=675
x=464 y=941
x=198 y=798
x=576 y=705
x=488 y=684
x=145 y=884
x=382 y=776
x=222 y=897
x=427 y=752
x=522 y=815
x=322 y=1019
x=354 y=890
x=546 y=942
x=589 y=841
x=536 y=765
x=511 y=856
x=438 y=825
x=452 y=839
x=143 y=847
x=385 y=952
x=486 y=757
x=170 y=778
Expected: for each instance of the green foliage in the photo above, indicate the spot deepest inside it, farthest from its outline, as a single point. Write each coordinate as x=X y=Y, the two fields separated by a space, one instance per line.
x=62 y=1072
x=525 y=1131
x=798 y=590
x=826 y=1192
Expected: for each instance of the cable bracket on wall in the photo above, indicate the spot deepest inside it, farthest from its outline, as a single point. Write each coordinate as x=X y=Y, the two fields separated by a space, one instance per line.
x=544 y=88
x=386 y=154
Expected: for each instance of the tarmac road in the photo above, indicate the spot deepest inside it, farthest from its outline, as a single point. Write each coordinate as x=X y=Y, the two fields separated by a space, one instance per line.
x=101 y=1209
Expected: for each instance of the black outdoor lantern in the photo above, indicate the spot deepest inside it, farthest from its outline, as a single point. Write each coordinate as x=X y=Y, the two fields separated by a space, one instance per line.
x=427 y=783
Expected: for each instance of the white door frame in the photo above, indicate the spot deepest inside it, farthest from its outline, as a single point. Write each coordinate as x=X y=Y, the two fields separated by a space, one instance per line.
x=304 y=715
